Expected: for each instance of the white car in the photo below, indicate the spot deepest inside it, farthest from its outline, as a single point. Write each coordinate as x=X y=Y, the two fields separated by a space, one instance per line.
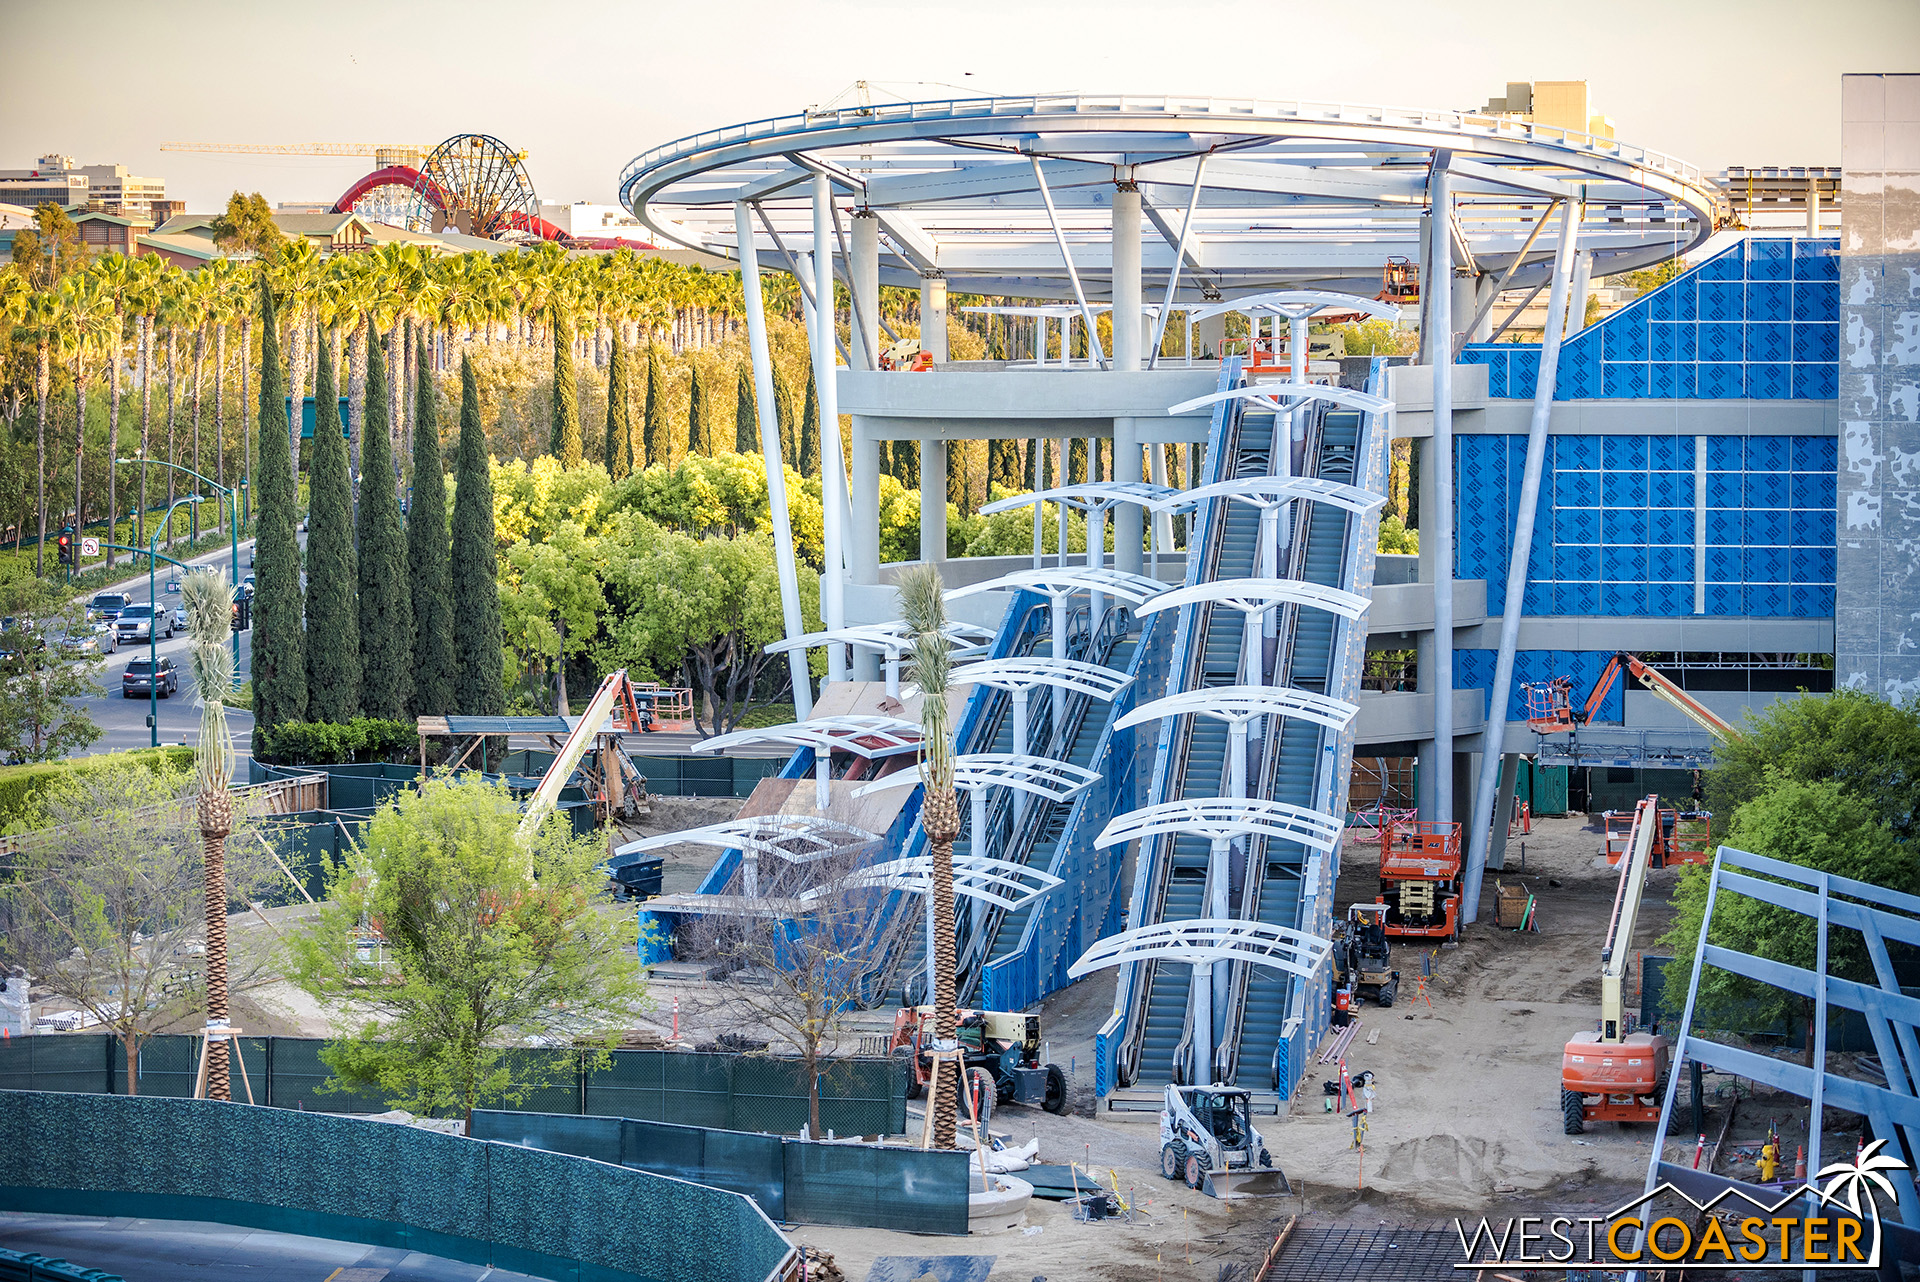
x=137 y=622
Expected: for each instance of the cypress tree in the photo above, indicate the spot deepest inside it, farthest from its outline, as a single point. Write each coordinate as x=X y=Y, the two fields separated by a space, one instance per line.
x=333 y=577
x=957 y=474
x=699 y=440
x=653 y=427
x=386 y=612
x=1003 y=468
x=279 y=658
x=906 y=463
x=788 y=420
x=746 y=419
x=1076 y=461
x=619 y=456
x=809 y=452
x=427 y=557
x=479 y=688
x=565 y=444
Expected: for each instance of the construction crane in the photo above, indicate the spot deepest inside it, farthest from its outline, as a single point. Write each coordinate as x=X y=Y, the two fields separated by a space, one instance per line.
x=1616 y=1072
x=382 y=153
x=1550 y=703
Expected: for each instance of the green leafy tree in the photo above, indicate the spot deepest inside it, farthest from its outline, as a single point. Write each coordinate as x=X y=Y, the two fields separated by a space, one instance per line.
x=333 y=574
x=106 y=906
x=433 y=662
x=551 y=603
x=565 y=444
x=50 y=250
x=619 y=451
x=279 y=652
x=247 y=226
x=42 y=684
x=1819 y=825
x=478 y=688
x=488 y=942
x=386 y=610
x=1868 y=746
x=746 y=422
x=654 y=425
x=699 y=437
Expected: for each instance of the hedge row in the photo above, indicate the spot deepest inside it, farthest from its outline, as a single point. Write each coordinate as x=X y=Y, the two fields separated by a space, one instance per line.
x=325 y=743
x=22 y=787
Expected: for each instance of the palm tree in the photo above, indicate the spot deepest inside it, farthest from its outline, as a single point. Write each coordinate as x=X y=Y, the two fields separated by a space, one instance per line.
x=923 y=604
x=119 y=279
x=295 y=271
x=86 y=313
x=208 y=599
x=43 y=323
x=151 y=280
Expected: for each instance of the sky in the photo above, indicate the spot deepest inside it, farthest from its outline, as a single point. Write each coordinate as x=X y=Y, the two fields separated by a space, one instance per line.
x=583 y=87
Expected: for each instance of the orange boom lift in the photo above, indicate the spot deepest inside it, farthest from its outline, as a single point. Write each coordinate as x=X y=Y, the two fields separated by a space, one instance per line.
x=1614 y=1072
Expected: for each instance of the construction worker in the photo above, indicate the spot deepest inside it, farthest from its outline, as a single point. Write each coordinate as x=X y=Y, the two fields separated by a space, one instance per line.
x=1342 y=1006
x=1769 y=1159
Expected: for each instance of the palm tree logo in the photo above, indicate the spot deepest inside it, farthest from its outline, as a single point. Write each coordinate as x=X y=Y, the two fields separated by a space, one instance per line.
x=1849 y=1180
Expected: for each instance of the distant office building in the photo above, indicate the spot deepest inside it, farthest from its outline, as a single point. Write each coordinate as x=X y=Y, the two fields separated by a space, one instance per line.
x=582 y=220
x=64 y=181
x=1558 y=104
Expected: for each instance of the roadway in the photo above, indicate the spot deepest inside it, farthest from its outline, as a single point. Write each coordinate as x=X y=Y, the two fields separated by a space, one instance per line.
x=125 y=720
x=191 y=1251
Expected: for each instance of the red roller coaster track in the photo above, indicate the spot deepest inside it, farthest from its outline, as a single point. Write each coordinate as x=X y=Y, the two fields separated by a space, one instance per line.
x=407 y=176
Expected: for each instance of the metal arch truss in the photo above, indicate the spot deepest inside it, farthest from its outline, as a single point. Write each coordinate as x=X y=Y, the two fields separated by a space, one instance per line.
x=1272 y=491
x=1041 y=776
x=1298 y=304
x=890 y=638
x=794 y=838
x=1255 y=595
x=1223 y=819
x=697 y=905
x=1096 y=496
x=1873 y=914
x=1025 y=673
x=1066 y=580
x=1270 y=395
x=863 y=736
x=1243 y=703
x=1204 y=941
x=999 y=882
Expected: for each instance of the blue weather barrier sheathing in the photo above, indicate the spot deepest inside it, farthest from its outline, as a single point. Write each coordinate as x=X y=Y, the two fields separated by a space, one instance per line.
x=546 y=1213
x=795 y=1181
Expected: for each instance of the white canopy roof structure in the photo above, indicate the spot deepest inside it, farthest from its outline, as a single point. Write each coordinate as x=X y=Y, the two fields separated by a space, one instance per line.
x=1066 y=580
x=863 y=736
x=995 y=881
x=727 y=905
x=1223 y=819
x=1269 y=491
x=1279 y=397
x=794 y=838
x=1202 y=941
x=987 y=190
x=1095 y=496
x=1254 y=595
x=1301 y=302
x=1042 y=776
x=888 y=638
x=1021 y=672
x=1239 y=703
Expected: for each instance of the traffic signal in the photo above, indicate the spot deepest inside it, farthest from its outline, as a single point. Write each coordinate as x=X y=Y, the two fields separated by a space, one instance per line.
x=66 y=550
x=242 y=614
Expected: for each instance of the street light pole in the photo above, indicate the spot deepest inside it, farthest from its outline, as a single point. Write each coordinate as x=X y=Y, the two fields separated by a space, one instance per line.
x=233 y=526
x=153 y=632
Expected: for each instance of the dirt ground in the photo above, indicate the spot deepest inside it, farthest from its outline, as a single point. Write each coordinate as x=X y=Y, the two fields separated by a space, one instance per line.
x=1467 y=1119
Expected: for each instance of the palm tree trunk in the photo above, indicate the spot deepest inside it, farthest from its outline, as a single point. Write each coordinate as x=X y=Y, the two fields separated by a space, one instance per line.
x=246 y=402
x=173 y=453
x=146 y=412
x=79 y=447
x=43 y=382
x=199 y=357
x=940 y=816
x=113 y=433
x=356 y=397
x=219 y=418
x=216 y=821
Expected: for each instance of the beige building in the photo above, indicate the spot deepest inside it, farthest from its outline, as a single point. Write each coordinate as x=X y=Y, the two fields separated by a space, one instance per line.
x=1558 y=104
x=64 y=181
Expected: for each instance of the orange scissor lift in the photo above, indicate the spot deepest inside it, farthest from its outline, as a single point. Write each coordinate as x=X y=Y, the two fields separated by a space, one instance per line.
x=1680 y=838
x=1420 y=878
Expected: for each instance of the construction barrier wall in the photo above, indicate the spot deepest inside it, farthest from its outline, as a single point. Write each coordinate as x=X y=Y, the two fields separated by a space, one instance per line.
x=30 y=1266
x=794 y=1181
x=738 y=1092
x=501 y=1205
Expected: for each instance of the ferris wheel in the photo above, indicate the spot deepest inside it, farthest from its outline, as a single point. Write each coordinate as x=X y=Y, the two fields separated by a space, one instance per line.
x=477 y=185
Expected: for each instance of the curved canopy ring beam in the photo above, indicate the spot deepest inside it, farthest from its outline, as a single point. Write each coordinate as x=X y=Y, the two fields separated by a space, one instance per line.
x=1238 y=706
x=1066 y=580
x=1302 y=303
x=1255 y=595
x=1272 y=491
x=975 y=772
x=999 y=882
x=796 y=839
x=1096 y=496
x=890 y=639
x=1269 y=395
x=1222 y=819
x=1018 y=672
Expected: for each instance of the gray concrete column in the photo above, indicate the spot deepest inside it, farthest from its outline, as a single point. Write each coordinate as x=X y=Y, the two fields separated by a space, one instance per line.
x=1210 y=335
x=1126 y=277
x=933 y=501
x=933 y=316
x=1482 y=291
x=863 y=540
x=864 y=270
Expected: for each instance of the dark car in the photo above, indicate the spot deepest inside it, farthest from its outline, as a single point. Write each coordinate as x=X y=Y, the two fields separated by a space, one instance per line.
x=140 y=679
x=107 y=605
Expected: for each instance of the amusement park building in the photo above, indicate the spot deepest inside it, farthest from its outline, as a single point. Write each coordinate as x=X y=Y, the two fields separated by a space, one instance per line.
x=1723 y=470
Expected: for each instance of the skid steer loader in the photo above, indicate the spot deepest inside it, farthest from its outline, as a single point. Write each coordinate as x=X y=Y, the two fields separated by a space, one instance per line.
x=1207 y=1135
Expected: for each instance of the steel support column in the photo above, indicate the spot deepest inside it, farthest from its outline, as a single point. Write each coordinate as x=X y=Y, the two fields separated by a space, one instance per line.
x=933 y=501
x=790 y=614
x=1438 y=290
x=933 y=316
x=1518 y=557
x=833 y=600
x=863 y=276
x=1128 y=518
